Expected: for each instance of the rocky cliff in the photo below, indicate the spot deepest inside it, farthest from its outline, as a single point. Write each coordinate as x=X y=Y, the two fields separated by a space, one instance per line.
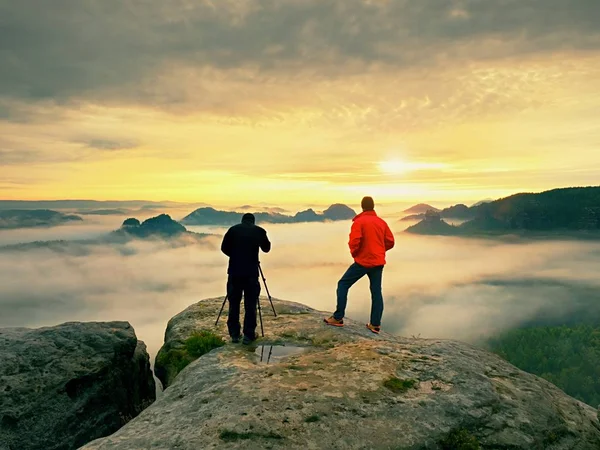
x=63 y=386
x=310 y=386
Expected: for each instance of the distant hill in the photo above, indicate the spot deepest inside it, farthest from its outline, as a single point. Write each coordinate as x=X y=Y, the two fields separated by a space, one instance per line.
x=19 y=218
x=481 y=202
x=211 y=216
x=565 y=210
x=103 y=212
x=339 y=211
x=421 y=208
x=161 y=227
x=308 y=215
x=413 y=217
x=433 y=224
x=460 y=211
x=82 y=204
x=268 y=209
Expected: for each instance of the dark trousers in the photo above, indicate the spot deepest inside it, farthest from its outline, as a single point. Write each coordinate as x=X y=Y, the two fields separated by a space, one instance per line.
x=250 y=288
x=354 y=273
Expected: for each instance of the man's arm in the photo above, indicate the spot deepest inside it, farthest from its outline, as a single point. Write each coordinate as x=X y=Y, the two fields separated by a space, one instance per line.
x=226 y=244
x=388 y=238
x=265 y=244
x=355 y=239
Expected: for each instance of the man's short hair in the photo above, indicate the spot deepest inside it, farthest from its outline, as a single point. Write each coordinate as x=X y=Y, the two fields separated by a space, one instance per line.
x=367 y=204
x=248 y=218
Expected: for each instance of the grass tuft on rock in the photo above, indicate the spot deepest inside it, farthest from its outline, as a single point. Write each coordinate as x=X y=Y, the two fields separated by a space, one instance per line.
x=199 y=343
x=202 y=342
x=460 y=439
x=398 y=385
x=313 y=418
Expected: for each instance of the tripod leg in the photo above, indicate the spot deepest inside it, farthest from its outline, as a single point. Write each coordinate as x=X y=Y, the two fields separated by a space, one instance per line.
x=267 y=289
x=272 y=307
x=220 y=312
x=262 y=330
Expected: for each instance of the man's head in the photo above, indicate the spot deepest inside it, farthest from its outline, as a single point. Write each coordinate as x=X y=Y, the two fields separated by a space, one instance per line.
x=367 y=204
x=248 y=218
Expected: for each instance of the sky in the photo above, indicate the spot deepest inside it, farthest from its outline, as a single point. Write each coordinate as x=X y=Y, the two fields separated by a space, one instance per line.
x=297 y=101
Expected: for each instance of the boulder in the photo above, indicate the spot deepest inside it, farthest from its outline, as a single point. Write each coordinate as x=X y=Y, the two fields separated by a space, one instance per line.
x=306 y=385
x=63 y=386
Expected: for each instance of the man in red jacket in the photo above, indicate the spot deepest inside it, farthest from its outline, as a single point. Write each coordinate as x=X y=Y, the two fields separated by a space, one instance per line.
x=370 y=238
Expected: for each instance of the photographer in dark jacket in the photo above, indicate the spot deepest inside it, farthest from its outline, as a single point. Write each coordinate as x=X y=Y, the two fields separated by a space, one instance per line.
x=242 y=243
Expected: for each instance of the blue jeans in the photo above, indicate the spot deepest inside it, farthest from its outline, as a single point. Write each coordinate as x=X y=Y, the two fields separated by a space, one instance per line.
x=354 y=273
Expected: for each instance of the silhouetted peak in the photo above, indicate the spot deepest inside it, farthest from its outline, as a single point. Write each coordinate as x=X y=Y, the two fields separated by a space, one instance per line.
x=421 y=208
x=339 y=211
x=308 y=211
x=131 y=222
x=162 y=225
x=432 y=216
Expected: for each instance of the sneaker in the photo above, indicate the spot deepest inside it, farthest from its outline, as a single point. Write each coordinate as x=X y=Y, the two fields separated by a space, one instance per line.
x=373 y=328
x=333 y=321
x=235 y=339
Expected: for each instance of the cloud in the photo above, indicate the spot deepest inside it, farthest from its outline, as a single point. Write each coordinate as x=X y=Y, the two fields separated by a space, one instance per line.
x=22 y=150
x=10 y=157
x=111 y=145
x=433 y=287
x=110 y=49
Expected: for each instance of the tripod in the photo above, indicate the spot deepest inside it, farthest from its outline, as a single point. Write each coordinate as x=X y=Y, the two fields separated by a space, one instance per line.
x=262 y=330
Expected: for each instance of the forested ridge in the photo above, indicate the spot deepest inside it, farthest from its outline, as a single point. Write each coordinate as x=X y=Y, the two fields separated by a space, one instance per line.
x=567 y=356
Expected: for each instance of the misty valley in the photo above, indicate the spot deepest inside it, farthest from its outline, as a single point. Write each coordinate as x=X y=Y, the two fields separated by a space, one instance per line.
x=535 y=302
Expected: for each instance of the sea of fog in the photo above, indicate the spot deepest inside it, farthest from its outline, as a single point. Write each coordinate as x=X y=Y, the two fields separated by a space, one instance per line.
x=433 y=286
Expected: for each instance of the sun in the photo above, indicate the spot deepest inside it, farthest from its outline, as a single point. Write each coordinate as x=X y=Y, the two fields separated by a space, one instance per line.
x=394 y=166
x=399 y=166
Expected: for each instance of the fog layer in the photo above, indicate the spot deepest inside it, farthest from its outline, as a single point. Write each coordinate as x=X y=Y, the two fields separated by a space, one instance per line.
x=433 y=286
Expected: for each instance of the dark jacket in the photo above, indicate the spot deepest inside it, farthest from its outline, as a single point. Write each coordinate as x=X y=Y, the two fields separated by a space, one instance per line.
x=242 y=243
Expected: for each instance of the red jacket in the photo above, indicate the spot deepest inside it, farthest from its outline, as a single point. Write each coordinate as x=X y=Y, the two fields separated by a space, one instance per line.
x=370 y=238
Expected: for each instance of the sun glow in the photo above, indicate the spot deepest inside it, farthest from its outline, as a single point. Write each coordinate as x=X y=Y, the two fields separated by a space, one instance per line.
x=398 y=166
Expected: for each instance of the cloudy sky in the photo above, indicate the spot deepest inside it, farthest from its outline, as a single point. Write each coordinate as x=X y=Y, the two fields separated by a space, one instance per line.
x=294 y=101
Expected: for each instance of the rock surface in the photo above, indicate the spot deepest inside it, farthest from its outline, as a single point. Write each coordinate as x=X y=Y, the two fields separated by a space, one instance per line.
x=350 y=389
x=63 y=386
